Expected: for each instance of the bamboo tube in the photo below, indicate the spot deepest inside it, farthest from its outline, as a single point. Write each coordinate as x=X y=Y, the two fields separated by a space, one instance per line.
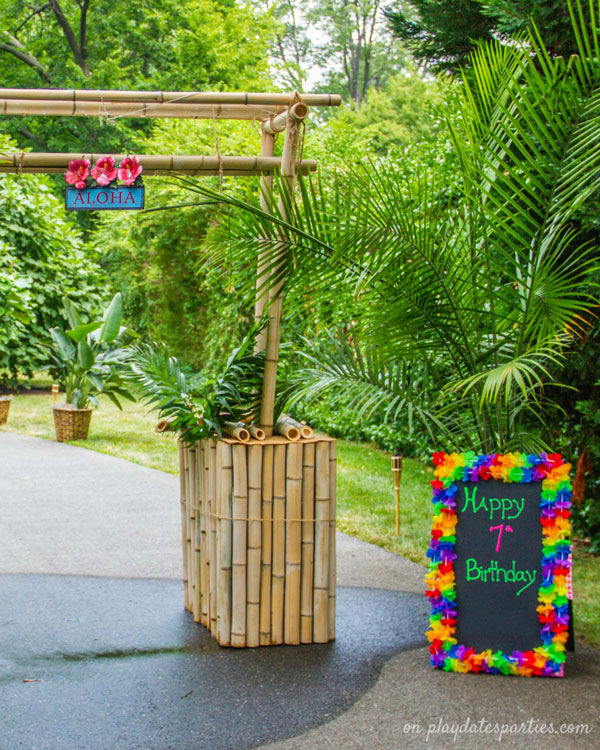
x=332 y=544
x=210 y=469
x=287 y=430
x=266 y=545
x=306 y=432
x=191 y=546
x=224 y=582
x=21 y=162
x=267 y=145
x=239 y=556
x=321 y=573
x=277 y=123
x=254 y=546
x=183 y=506
x=307 y=166
x=308 y=539
x=198 y=502
x=288 y=170
x=163 y=425
x=256 y=432
x=293 y=544
x=111 y=109
x=236 y=430
x=193 y=97
x=278 y=551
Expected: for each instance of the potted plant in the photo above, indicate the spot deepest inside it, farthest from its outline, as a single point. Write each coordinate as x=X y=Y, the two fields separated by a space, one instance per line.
x=86 y=359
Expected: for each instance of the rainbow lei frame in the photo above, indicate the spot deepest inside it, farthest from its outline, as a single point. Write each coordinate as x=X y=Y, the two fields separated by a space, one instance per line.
x=548 y=659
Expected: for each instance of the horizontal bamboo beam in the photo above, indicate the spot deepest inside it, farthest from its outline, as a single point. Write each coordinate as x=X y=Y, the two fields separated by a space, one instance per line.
x=166 y=97
x=32 y=162
x=110 y=109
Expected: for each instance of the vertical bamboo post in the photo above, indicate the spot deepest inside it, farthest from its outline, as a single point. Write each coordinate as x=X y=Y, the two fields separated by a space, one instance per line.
x=204 y=572
x=191 y=540
x=397 y=474
x=267 y=145
x=332 y=545
x=308 y=539
x=254 y=545
x=321 y=573
x=225 y=468
x=288 y=171
x=199 y=499
x=293 y=544
x=210 y=467
x=239 y=557
x=267 y=545
x=183 y=506
x=278 y=564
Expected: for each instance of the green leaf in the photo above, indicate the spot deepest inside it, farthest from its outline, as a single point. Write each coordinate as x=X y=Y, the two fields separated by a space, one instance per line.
x=64 y=347
x=112 y=320
x=79 y=333
x=72 y=314
x=85 y=356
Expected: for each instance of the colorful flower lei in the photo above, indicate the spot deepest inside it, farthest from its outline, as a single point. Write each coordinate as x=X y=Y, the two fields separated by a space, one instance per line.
x=553 y=611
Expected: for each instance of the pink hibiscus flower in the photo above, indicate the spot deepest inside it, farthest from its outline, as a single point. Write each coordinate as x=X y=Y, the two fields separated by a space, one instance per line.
x=78 y=170
x=105 y=171
x=129 y=170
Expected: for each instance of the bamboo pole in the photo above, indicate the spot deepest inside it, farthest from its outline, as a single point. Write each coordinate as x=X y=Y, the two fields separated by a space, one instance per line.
x=277 y=123
x=267 y=145
x=306 y=432
x=239 y=556
x=288 y=171
x=254 y=545
x=236 y=430
x=224 y=583
x=308 y=539
x=22 y=162
x=293 y=544
x=256 y=432
x=266 y=545
x=278 y=551
x=135 y=110
x=191 y=546
x=397 y=474
x=210 y=471
x=183 y=507
x=287 y=430
x=198 y=502
x=165 y=97
x=332 y=538
x=321 y=572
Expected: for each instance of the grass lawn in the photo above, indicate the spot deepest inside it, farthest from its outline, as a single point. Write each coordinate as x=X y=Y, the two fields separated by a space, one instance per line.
x=366 y=504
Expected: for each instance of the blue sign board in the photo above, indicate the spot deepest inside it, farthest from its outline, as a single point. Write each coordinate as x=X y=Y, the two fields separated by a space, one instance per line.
x=119 y=198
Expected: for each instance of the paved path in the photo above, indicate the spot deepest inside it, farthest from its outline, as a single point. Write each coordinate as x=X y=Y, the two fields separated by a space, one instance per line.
x=91 y=611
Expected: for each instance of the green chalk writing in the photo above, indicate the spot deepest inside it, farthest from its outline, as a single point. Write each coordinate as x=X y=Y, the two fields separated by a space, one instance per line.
x=507 y=508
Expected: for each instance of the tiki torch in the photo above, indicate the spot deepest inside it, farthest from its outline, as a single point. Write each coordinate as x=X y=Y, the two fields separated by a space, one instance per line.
x=397 y=473
x=54 y=392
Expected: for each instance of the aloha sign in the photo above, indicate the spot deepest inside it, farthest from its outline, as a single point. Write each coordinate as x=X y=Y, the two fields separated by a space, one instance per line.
x=97 y=189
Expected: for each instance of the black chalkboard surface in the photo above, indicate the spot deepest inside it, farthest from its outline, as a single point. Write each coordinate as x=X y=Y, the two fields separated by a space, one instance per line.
x=498 y=565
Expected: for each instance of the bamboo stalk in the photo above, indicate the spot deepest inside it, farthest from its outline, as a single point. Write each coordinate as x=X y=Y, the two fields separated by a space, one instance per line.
x=192 y=97
x=278 y=551
x=198 y=502
x=256 y=432
x=239 y=557
x=225 y=469
x=254 y=545
x=306 y=432
x=191 y=546
x=287 y=430
x=267 y=145
x=321 y=572
x=18 y=161
x=210 y=470
x=183 y=507
x=236 y=430
x=298 y=112
x=332 y=542
x=266 y=545
x=308 y=539
x=293 y=544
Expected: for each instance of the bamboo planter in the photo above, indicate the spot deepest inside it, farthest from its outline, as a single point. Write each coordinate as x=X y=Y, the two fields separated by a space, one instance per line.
x=4 y=408
x=258 y=539
x=71 y=424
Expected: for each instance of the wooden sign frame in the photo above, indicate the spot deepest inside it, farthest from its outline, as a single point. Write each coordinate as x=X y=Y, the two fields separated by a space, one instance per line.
x=546 y=658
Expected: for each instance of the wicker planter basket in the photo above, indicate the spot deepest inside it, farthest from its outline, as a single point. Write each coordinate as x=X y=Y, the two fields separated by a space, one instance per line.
x=4 y=407
x=71 y=424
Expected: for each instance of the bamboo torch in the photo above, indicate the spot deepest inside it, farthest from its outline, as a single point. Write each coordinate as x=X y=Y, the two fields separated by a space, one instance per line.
x=54 y=392
x=397 y=474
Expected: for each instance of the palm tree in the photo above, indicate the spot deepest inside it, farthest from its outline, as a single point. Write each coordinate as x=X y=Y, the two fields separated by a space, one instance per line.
x=482 y=283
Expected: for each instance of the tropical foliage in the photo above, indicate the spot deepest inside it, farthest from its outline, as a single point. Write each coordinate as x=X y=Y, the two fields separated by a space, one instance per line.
x=87 y=358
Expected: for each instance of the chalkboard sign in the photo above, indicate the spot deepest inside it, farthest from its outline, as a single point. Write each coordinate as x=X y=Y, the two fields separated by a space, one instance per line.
x=500 y=563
